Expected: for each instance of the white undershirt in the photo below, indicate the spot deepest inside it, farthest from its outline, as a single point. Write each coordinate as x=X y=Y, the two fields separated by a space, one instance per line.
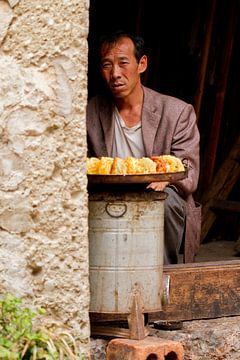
x=127 y=141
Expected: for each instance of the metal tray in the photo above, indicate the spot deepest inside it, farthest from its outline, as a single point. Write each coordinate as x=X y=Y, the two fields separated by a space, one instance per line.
x=137 y=179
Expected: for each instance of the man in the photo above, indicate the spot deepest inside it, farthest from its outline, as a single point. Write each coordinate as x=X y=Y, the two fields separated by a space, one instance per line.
x=132 y=120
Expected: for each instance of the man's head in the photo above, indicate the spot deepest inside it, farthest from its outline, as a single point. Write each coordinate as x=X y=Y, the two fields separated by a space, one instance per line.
x=122 y=61
x=109 y=40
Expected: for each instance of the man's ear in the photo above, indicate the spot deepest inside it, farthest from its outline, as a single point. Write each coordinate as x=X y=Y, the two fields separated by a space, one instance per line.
x=143 y=63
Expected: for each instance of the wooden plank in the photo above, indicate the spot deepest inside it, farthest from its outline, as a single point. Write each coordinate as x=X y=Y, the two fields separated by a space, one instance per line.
x=197 y=291
x=202 y=291
x=222 y=184
x=136 y=318
x=105 y=330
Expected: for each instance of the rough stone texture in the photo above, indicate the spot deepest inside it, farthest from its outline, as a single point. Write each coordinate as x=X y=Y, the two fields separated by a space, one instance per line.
x=6 y=19
x=98 y=348
x=43 y=197
x=213 y=339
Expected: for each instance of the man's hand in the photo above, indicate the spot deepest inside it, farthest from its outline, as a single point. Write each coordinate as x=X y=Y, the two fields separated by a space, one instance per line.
x=158 y=186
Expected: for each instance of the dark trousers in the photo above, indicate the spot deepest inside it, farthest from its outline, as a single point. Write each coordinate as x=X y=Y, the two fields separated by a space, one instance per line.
x=174 y=225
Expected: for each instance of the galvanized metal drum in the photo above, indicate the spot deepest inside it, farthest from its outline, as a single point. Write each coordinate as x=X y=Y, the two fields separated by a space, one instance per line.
x=126 y=250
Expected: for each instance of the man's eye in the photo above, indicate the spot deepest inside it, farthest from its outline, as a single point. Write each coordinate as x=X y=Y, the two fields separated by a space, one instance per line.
x=106 y=65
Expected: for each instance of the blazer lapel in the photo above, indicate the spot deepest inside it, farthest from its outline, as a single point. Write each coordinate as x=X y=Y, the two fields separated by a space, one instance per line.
x=107 y=125
x=150 y=122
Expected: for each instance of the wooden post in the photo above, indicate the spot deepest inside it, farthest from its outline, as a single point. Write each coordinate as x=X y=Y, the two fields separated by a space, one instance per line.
x=224 y=65
x=205 y=56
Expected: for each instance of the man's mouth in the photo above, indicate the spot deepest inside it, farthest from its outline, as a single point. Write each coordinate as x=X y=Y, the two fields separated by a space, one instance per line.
x=117 y=86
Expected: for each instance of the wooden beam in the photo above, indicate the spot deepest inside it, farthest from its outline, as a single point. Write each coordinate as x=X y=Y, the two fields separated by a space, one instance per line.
x=201 y=291
x=222 y=184
x=197 y=291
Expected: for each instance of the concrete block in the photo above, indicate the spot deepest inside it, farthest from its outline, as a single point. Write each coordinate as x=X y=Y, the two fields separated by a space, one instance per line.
x=150 y=348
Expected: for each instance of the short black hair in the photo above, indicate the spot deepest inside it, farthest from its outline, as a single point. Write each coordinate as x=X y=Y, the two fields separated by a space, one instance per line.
x=112 y=37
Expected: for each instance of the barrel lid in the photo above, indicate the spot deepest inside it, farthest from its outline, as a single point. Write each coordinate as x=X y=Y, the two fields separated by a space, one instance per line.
x=127 y=195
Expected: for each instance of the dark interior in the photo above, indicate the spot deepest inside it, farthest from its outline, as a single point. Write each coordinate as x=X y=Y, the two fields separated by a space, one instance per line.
x=194 y=54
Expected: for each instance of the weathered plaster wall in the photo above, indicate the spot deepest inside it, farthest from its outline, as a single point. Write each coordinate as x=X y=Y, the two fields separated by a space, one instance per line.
x=43 y=198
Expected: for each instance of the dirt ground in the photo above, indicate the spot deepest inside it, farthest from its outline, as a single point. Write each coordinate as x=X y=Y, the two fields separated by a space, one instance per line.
x=217 y=250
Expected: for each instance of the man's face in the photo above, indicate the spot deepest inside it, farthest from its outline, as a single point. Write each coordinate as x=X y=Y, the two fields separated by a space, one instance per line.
x=119 y=67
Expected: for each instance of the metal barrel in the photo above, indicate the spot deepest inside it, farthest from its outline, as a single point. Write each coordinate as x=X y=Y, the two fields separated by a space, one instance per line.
x=126 y=250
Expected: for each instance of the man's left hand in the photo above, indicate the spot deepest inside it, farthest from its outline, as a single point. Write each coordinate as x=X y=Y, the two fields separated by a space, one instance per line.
x=158 y=186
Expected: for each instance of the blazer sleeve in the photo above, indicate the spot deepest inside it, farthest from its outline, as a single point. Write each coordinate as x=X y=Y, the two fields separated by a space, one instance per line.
x=185 y=145
x=95 y=134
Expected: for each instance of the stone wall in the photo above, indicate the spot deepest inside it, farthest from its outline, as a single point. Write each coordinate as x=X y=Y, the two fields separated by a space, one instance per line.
x=43 y=197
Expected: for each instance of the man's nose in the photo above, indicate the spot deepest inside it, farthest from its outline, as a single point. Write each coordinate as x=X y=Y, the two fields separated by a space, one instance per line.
x=115 y=71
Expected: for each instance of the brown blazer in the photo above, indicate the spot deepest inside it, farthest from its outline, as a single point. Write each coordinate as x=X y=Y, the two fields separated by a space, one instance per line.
x=168 y=127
